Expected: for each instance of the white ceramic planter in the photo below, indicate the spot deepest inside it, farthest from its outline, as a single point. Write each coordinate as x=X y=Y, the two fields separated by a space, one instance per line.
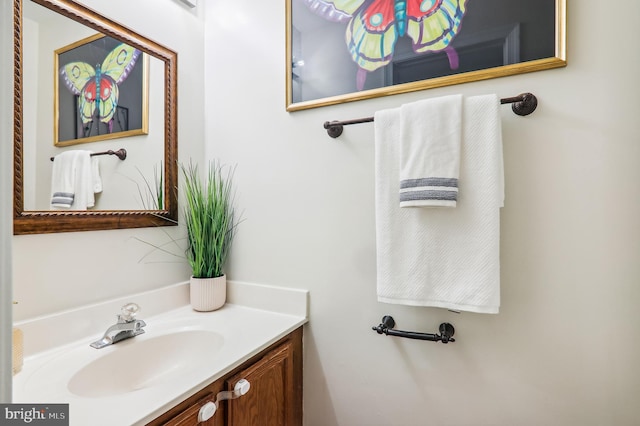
x=208 y=294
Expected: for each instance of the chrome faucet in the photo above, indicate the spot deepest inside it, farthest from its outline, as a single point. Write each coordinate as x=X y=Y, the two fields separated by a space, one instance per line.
x=126 y=327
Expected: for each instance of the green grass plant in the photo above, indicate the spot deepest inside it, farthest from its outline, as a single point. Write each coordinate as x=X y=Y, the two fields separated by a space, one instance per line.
x=152 y=195
x=209 y=216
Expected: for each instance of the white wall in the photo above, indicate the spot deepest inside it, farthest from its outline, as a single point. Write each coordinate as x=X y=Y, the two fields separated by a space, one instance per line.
x=563 y=351
x=6 y=185
x=60 y=271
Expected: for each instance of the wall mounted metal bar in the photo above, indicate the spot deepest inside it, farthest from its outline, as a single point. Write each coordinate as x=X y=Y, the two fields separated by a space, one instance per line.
x=386 y=327
x=523 y=104
x=121 y=153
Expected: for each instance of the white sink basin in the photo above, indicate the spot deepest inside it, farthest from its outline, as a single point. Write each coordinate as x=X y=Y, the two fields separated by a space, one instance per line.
x=136 y=363
x=134 y=381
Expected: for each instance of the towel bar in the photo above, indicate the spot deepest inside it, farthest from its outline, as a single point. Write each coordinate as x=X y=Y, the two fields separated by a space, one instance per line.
x=121 y=153
x=387 y=324
x=523 y=104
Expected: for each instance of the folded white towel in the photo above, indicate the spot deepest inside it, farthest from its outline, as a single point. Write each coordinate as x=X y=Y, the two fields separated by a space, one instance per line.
x=63 y=180
x=430 y=133
x=448 y=258
x=74 y=180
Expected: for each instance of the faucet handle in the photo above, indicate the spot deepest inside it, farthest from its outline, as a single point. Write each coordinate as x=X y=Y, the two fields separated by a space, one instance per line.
x=129 y=312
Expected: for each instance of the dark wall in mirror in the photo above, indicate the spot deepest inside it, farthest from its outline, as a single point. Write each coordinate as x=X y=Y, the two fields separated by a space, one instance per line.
x=33 y=218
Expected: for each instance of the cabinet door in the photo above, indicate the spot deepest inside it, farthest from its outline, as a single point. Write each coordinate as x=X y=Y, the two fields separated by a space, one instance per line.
x=186 y=413
x=274 y=399
x=189 y=417
x=271 y=400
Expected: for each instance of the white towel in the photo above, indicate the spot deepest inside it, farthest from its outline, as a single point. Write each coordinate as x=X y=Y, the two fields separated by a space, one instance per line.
x=95 y=172
x=447 y=258
x=75 y=178
x=85 y=182
x=430 y=133
x=63 y=180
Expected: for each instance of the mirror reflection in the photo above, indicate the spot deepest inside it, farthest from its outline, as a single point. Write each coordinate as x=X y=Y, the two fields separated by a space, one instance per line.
x=122 y=181
x=114 y=90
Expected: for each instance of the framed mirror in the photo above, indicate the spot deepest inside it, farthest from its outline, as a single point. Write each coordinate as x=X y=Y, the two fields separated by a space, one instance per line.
x=349 y=50
x=137 y=184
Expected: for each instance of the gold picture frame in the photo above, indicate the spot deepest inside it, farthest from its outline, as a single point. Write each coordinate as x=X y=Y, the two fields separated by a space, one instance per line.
x=104 y=66
x=325 y=40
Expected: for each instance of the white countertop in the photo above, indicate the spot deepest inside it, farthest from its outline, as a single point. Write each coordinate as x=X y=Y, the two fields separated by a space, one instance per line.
x=254 y=317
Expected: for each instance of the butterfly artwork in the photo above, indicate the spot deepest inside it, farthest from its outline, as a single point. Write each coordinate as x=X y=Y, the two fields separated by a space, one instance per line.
x=97 y=88
x=375 y=26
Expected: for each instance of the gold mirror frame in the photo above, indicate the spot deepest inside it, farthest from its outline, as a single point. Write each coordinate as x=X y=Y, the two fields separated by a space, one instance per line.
x=557 y=61
x=40 y=222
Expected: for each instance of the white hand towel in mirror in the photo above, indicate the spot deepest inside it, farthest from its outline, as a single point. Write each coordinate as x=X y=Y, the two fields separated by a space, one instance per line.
x=63 y=180
x=95 y=171
x=75 y=178
x=430 y=133
x=84 y=182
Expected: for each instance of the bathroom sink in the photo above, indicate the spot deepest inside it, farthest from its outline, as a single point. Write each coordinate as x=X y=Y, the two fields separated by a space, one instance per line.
x=140 y=363
x=135 y=380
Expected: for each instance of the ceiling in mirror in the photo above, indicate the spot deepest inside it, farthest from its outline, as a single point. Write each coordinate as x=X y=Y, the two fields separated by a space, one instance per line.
x=96 y=87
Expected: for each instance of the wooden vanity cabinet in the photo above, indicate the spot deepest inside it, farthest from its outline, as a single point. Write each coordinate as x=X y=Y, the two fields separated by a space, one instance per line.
x=274 y=399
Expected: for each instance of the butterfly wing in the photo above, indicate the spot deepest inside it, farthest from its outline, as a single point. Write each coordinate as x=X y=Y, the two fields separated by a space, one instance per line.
x=432 y=24
x=119 y=62
x=76 y=75
x=87 y=101
x=79 y=77
x=335 y=11
x=372 y=34
x=109 y=94
x=115 y=68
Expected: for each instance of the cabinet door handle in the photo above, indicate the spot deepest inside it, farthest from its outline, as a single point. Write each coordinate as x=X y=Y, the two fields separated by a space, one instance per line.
x=241 y=387
x=209 y=409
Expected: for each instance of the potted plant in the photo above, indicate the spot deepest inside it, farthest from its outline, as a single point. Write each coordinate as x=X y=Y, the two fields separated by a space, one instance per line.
x=209 y=216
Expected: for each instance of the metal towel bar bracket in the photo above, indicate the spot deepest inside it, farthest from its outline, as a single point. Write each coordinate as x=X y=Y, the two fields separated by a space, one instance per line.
x=523 y=104
x=386 y=327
